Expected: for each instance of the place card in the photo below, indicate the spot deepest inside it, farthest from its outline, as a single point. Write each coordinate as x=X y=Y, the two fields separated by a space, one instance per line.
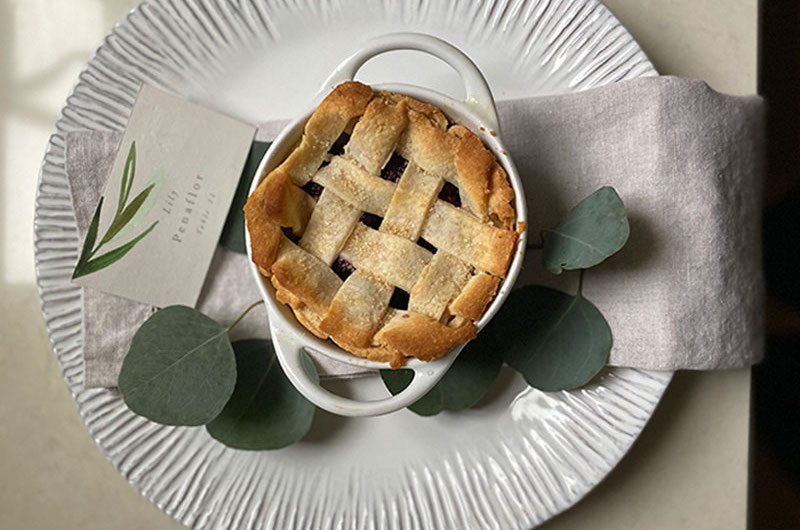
x=166 y=198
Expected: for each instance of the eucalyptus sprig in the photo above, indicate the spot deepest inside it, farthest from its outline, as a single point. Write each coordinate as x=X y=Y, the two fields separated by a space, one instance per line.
x=87 y=262
x=556 y=341
x=182 y=369
x=594 y=230
x=264 y=411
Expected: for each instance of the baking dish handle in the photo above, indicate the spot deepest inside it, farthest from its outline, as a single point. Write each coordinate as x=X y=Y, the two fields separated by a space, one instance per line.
x=479 y=97
x=290 y=353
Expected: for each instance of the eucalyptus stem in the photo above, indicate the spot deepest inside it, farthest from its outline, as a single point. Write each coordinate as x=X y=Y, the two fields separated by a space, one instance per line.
x=580 y=282
x=244 y=313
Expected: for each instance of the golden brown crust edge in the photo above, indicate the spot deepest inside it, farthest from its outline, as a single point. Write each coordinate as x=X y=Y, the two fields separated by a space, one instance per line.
x=420 y=336
x=265 y=235
x=475 y=296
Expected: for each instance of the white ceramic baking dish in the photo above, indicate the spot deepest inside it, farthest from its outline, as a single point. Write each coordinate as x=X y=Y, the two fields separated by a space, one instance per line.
x=477 y=112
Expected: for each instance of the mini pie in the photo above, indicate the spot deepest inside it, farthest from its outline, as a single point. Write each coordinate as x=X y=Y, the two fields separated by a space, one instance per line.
x=386 y=228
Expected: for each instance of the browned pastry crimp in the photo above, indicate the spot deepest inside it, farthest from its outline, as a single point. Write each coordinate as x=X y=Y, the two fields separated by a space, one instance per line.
x=447 y=289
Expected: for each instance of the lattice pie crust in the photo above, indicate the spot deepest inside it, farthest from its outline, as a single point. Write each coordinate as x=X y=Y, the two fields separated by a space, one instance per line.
x=394 y=245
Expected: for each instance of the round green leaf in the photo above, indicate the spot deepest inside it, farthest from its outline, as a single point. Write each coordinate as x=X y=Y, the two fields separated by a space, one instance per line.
x=464 y=384
x=265 y=411
x=555 y=340
x=591 y=232
x=180 y=369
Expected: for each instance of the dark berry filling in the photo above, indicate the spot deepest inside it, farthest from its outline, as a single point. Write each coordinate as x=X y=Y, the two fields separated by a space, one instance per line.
x=427 y=246
x=289 y=234
x=313 y=189
x=449 y=194
x=394 y=168
x=372 y=221
x=338 y=146
x=399 y=299
x=342 y=268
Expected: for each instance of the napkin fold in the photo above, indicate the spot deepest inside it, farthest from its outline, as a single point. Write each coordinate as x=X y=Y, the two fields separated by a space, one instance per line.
x=686 y=292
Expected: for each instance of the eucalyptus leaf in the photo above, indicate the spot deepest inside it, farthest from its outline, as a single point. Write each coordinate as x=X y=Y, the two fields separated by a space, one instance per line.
x=265 y=411
x=555 y=340
x=591 y=232
x=109 y=258
x=91 y=237
x=232 y=236
x=462 y=386
x=180 y=369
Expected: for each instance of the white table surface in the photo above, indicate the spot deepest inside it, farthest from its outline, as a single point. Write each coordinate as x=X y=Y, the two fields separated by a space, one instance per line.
x=689 y=469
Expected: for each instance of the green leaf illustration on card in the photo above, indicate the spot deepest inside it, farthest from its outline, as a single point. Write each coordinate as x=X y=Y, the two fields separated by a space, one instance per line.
x=555 y=340
x=124 y=214
x=265 y=411
x=180 y=369
x=591 y=232
x=127 y=178
x=462 y=386
x=124 y=217
x=91 y=237
x=110 y=257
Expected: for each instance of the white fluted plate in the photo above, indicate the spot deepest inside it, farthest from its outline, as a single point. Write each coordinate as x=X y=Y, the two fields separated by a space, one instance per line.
x=519 y=458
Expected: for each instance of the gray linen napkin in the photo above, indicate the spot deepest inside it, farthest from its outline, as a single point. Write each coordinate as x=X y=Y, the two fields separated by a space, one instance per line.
x=687 y=290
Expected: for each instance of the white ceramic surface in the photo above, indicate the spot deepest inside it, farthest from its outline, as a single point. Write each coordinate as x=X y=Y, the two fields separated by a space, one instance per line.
x=516 y=460
x=477 y=112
